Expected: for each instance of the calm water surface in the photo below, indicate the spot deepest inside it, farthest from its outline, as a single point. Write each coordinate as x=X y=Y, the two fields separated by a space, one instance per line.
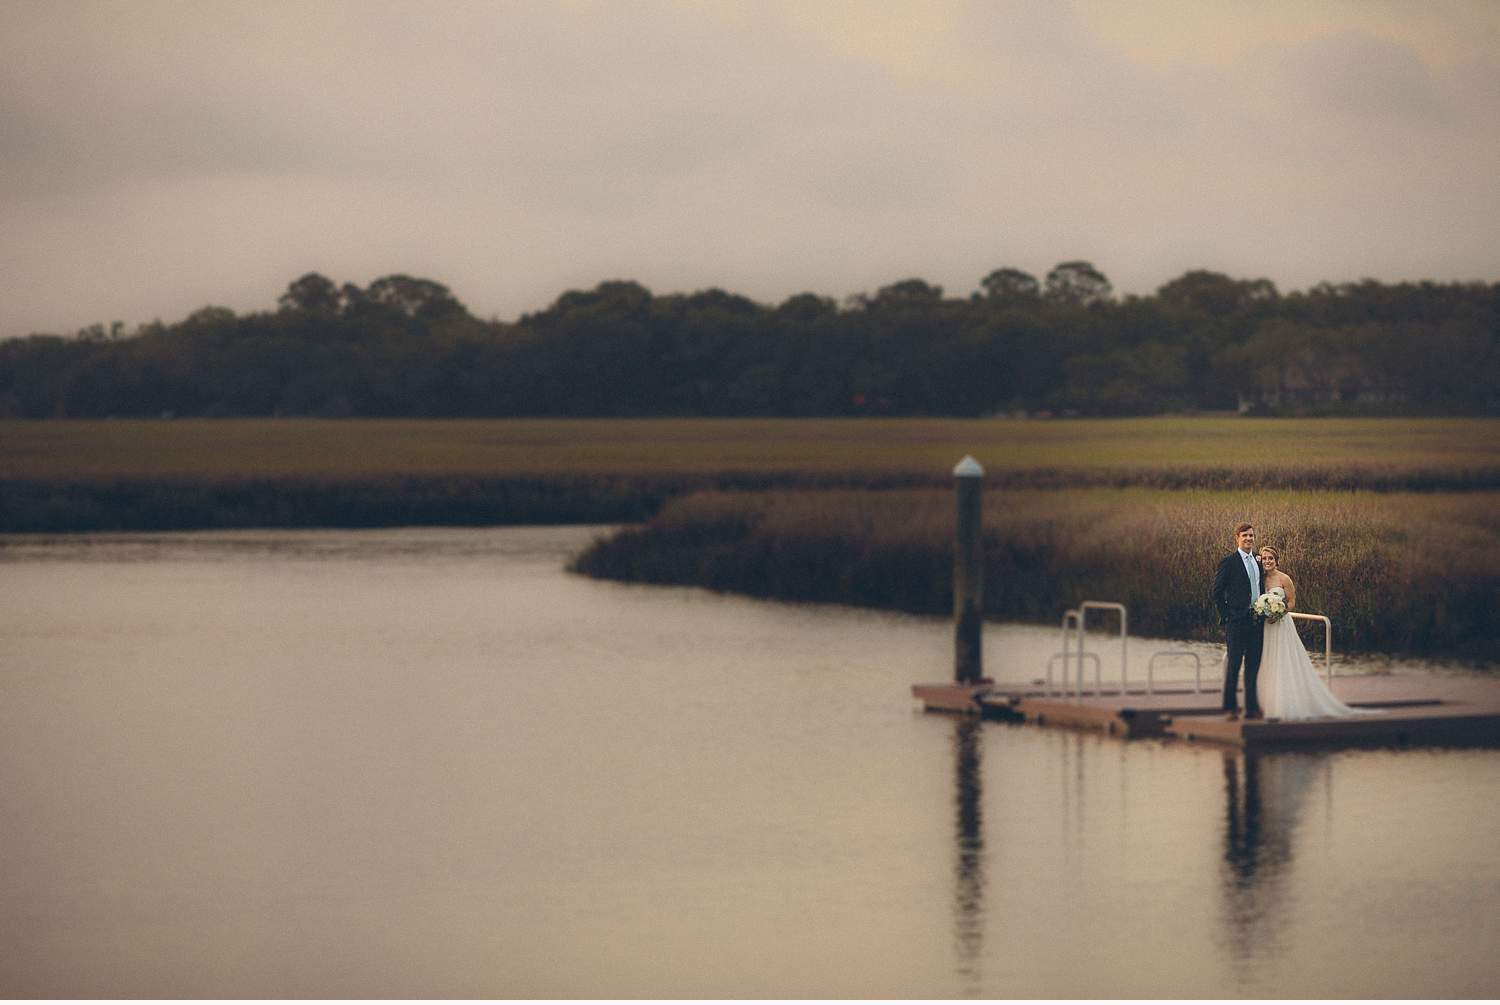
x=432 y=763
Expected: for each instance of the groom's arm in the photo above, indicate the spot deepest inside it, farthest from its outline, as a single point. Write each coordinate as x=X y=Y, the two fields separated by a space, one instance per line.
x=1219 y=594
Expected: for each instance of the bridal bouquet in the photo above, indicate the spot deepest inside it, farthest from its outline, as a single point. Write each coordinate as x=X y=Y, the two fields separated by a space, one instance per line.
x=1272 y=605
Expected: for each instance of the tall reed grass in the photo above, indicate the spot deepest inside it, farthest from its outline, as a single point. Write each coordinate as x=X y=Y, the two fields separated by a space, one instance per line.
x=1395 y=572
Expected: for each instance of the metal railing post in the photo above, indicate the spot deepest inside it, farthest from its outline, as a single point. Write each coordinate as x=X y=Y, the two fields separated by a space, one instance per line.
x=1105 y=605
x=1082 y=640
x=1067 y=618
x=1065 y=657
x=1327 y=642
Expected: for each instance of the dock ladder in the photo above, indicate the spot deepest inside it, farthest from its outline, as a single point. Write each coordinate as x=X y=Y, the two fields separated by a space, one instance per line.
x=1074 y=623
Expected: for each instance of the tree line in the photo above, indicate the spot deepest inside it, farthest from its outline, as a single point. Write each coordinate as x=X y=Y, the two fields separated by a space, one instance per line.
x=1062 y=344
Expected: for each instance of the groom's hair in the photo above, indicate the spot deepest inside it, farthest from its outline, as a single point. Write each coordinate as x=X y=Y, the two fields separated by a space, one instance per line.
x=1244 y=527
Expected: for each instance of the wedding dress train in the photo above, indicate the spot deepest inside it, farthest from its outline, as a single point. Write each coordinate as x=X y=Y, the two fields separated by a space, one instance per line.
x=1290 y=687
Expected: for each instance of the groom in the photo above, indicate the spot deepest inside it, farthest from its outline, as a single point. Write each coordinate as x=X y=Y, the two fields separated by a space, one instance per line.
x=1236 y=585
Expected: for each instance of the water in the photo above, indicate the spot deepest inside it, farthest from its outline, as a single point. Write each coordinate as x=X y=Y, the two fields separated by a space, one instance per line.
x=433 y=764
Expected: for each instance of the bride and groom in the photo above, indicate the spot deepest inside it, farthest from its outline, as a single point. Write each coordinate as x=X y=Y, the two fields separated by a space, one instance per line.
x=1276 y=665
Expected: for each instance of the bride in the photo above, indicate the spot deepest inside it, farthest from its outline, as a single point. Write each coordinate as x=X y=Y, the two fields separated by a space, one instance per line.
x=1289 y=686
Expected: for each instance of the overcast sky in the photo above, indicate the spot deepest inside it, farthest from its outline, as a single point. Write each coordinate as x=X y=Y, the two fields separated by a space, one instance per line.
x=156 y=157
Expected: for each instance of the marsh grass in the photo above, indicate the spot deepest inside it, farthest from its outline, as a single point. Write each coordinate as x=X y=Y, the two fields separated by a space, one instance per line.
x=74 y=476
x=1395 y=572
x=1388 y=525
x=1390 y=454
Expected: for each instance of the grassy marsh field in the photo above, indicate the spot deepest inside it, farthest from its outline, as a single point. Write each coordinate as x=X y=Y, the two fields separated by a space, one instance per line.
x=63 y=476
x=1390 y=525
x=1335 y=453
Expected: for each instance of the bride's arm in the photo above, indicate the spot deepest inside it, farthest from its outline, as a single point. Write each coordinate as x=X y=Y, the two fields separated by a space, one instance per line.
x=1291 y=593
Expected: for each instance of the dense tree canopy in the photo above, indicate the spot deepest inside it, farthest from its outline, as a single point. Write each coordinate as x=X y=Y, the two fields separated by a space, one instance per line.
x=1065 y=345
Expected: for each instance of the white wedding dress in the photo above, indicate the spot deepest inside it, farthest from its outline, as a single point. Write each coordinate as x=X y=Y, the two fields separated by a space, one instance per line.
x=1289 y=686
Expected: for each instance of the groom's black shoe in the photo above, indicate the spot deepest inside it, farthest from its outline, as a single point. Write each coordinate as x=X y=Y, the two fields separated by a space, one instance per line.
x=1231 y=714
x=1255 y=715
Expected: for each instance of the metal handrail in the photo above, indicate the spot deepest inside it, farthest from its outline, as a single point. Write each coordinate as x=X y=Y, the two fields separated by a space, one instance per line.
x=1075 y=621
x=1098 y=673
x=1197 y=668
x=1103 y=605
x=1068 y=618
x=1327 y=642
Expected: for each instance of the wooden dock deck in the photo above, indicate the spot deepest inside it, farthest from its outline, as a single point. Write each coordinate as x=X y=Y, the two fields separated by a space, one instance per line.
x=1405 y=709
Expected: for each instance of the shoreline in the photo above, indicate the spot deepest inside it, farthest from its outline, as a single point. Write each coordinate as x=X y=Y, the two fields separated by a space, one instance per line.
x=856 y=512
x=1151 y=550
x=182 y=502
x=29 y=547
x=885 y=546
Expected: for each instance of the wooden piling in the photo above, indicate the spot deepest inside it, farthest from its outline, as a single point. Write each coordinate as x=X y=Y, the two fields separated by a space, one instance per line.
x=968 y=574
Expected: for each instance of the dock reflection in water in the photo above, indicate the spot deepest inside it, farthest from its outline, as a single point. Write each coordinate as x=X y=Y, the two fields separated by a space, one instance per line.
x=968 y=842
x=1264 y=796
x=1087 y=866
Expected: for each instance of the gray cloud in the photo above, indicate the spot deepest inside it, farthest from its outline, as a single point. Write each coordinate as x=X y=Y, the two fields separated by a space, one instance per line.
x=1366 y=77
x=156 y=156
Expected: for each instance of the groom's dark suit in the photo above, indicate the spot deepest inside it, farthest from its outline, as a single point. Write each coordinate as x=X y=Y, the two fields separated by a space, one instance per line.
x=1233 y=593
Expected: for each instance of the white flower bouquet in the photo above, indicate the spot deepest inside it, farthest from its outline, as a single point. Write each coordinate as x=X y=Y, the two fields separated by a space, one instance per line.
x=1271 y=605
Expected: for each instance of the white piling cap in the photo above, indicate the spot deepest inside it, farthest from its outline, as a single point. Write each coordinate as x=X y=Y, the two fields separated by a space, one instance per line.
x=968 y=468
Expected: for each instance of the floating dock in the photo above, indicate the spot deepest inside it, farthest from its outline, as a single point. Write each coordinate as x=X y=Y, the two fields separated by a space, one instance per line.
x=1403 y=709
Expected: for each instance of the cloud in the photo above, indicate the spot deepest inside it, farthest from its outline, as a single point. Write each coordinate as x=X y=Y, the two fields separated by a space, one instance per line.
x=156 y=155
x=1356 y=75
